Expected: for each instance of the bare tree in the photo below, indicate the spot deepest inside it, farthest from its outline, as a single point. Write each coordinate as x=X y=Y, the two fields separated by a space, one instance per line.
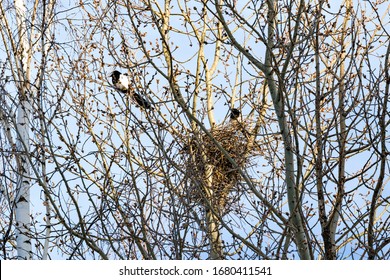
x=18 y=108
x=266 y=137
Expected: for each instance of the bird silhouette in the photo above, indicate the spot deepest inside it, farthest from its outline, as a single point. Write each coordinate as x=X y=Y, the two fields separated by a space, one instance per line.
x=122 y=84
x=234 y=113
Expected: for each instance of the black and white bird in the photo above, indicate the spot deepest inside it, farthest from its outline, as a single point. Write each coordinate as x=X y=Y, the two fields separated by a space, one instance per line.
x=120 y=81
x=122 y=84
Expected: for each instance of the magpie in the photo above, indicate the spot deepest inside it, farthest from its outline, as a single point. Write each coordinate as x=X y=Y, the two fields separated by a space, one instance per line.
x=120 y=81
x=122 y=84
x=234 y=113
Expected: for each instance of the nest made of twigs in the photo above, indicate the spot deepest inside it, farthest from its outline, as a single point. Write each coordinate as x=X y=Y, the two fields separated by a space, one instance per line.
x=212 y=176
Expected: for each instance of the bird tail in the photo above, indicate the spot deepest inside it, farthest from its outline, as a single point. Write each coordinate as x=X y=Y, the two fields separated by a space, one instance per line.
x=141 y=101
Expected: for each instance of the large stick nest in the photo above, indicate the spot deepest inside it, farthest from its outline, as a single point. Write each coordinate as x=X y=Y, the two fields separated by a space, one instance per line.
x=212 y=176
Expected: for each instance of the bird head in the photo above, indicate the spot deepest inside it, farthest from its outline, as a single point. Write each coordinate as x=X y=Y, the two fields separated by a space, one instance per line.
x=115 y=74
x=234 y=113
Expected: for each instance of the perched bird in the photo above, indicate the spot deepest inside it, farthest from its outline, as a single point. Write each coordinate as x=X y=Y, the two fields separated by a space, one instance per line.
x=122 y=84
x=234 y=121
x=120 y=81
x=234 y=114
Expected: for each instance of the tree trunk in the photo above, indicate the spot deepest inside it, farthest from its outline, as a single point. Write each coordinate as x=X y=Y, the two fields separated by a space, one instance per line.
x=22 y=198
x=279 y=105
x=212 y=219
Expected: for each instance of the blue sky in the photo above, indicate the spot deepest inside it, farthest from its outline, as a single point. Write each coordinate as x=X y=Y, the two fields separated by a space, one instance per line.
x=89 y=96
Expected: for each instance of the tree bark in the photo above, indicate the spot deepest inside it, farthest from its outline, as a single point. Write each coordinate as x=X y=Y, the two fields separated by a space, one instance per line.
x=22 y=198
